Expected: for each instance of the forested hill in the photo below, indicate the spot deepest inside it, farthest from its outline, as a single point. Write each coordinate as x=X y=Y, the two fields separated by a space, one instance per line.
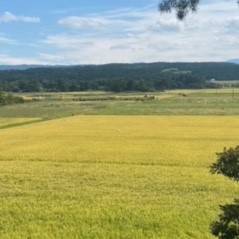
x=117 y=77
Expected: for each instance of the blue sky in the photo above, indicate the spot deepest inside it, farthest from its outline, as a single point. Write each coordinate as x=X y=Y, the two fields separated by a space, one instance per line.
x=104 y=31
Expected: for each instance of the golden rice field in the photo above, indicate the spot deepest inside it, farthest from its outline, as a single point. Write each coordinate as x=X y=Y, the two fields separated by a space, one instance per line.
x=114 y=177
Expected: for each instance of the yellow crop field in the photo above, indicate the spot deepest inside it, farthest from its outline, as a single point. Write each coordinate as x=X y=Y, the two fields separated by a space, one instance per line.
x=114 y=177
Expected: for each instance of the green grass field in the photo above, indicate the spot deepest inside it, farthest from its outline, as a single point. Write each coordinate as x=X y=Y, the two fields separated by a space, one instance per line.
x=113 y=166
x=180 y=102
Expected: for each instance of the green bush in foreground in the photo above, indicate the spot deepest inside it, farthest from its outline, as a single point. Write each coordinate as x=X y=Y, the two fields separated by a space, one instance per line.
x=227 y=227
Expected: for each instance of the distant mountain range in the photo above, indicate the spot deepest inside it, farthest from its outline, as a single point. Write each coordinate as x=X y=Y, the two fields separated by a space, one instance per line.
x=235 y=61
x=23 y=67
x=116 y=77
x=16 y=67
x=26 y=67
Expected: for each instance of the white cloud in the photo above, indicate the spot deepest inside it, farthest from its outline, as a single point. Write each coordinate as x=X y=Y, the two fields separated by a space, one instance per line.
x=75 y=22
x=50 y=58
x=5 y=40
x=8 y=17
x=68 y=42
x=10 y=60
x=144 y=35
x=40 y=59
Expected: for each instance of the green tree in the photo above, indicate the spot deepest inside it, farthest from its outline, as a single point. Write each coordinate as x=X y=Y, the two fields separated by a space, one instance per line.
x=227 y=227
x=182 y=7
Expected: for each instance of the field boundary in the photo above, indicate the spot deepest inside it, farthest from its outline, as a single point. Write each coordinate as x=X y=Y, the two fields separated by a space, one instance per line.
x=21 y=124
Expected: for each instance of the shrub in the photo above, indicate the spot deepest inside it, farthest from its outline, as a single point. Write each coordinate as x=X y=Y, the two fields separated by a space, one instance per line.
x=227 y=163
x=227 y=227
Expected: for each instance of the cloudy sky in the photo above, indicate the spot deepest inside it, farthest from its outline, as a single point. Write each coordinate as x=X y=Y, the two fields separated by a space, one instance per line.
x=104 y=31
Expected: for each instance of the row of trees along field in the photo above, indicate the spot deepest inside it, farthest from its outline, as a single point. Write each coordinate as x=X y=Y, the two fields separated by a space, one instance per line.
x=117 y=77
x=6 y=99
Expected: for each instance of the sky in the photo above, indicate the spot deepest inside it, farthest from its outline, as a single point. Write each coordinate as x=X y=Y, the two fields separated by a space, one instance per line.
x=70 y=32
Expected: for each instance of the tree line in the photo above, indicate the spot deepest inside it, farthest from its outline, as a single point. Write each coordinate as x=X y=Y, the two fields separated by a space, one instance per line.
x=117 y=77
x=7 y=99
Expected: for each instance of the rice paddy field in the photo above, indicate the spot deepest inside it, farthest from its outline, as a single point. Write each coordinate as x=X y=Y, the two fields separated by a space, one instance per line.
x=97 y=165
x=114 y=177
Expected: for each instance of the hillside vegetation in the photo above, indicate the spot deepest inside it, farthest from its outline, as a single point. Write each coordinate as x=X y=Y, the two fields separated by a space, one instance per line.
x=118 y=77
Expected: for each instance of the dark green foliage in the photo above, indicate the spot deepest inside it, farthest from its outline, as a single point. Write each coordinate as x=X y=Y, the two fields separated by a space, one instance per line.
x=227 y=227
x=227 y=163
x=6 y=99
x=182 y=7
x=118 y=77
